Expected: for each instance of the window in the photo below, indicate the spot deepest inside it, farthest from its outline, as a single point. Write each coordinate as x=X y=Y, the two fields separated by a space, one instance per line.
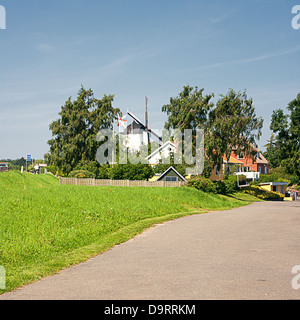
x=241 y=155
x=171 y=179
x=266 y=169
x=274 y=188
x=258 y=155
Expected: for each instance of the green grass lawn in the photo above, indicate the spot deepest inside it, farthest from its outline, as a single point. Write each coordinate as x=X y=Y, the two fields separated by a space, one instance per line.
x=45 y=227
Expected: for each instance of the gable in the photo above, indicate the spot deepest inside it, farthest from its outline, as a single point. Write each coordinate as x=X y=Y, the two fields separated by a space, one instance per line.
x=164 y=149
x=171 y=172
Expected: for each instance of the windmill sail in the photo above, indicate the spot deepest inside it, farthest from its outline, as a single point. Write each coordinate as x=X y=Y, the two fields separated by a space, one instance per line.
x=122 y=123
x=136 y=119
x=144 y=127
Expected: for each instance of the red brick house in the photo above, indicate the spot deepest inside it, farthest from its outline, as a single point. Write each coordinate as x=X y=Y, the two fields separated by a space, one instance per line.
x=259 y=164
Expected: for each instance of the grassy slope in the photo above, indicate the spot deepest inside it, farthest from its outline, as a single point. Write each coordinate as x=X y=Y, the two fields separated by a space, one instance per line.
x=45 y=227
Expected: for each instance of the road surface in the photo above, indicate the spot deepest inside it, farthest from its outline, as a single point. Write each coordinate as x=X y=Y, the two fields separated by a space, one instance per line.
x=244 y=253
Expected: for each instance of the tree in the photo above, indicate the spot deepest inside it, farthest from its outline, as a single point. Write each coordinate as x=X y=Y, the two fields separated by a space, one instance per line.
x=15 y=164
x=272 y=152
x=232 y=123
x=287 y=138
x=233 y=126
x=189 y=110
x=74 y=133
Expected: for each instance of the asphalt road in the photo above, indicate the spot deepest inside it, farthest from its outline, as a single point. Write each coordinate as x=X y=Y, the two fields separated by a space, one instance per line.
x=245 y=253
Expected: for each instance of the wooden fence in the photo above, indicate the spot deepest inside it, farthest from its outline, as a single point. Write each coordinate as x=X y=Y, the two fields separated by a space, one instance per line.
x=118 y=183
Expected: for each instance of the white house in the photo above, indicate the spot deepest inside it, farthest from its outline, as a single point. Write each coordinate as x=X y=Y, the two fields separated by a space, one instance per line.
x=163 y=151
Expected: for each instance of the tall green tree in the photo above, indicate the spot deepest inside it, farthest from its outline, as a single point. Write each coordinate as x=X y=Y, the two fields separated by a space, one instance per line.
x=231 y=124
x=74 y=133
x=272 y=152
x=286 y=128
x=234 y=125
x=189 y=110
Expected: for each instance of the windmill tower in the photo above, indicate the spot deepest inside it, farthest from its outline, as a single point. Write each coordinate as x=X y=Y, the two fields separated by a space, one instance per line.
x=137 y=133
x=147 y=122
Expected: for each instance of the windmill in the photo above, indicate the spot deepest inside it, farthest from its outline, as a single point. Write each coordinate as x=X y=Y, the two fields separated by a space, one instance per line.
x=122 y=123
x=147 y=122
x=145 y=127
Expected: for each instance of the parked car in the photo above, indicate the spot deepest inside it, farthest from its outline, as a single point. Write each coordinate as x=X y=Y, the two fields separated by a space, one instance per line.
x=3 y=167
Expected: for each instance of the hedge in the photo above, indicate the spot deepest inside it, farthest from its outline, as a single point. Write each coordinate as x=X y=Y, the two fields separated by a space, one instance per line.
x=263 y=194
x=217 y=187
x=81 y=174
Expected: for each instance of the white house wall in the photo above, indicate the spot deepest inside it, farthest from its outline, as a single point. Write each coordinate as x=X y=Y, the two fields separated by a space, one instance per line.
x=164 y=153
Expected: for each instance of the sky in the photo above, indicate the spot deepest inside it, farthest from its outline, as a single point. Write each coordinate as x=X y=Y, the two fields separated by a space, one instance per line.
x=138 y=48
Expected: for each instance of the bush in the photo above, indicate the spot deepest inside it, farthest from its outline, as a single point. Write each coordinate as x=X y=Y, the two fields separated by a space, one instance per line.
x=203 y=184
x=81 y=174
x=263 y=194
x=230 y=186
x=219 y=187
x=226 y=187
x=104 y=171
x=55 y=171
x=131 y=172
x=90 y=166
x=294 y=188
x=279 y=174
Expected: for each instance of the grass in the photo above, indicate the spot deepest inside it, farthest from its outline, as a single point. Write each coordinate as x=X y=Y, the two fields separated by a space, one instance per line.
x=45 y=227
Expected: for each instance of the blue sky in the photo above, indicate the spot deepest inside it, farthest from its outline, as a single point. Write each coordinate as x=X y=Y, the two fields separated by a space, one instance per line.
x=138 y=48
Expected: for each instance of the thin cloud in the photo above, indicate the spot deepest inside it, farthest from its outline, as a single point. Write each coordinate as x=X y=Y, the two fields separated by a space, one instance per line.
x=270 y=55
x=261 y=57
x=44 y=47
x=223 y=17
x=118 y=64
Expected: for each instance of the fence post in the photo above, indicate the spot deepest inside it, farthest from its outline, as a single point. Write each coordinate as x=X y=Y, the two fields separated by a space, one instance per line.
x=94 y=181
x=128 y=183
x=76 y=181
x=60 y=180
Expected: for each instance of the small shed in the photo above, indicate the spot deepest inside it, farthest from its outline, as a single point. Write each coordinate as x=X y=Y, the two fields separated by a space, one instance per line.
x=171 y=175
x=275 y=186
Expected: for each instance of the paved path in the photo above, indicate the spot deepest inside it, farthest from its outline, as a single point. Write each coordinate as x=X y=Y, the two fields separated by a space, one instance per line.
x=245 y=253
